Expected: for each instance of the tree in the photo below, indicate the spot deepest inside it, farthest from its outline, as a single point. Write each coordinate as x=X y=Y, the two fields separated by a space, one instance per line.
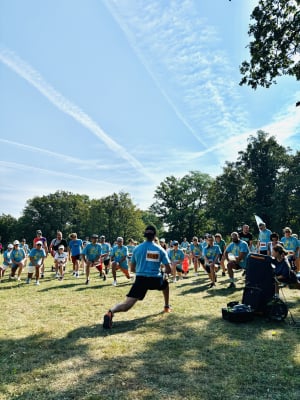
x=254 y=184
x=180 y=204
x=123 y=218
x=287 y=197
x=275 y=49
x=61 y=210
x=228 y=199
x=263 y=163
x=8 y=229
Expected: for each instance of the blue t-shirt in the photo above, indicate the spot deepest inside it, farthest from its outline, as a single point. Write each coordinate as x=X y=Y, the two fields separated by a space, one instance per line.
x=75 y=246
x=176 y=255
x=211 y=252
x=264 y=238
x=6 y=257
x=37 y=255
x=290 y=243
x=147 y=257
x=130 y=247
x=118 y=252
x=236 y=249
x=17 y=255
x=92 y=251
x=196 y=249
x=282 y=268
x=185 y=244
x=105 y=249
x=25 y=247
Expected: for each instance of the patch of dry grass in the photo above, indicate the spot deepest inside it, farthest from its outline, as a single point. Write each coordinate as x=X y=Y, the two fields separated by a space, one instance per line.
x=53 y=345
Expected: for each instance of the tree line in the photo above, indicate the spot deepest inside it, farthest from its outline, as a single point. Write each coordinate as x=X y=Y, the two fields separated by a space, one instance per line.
x=264 y=180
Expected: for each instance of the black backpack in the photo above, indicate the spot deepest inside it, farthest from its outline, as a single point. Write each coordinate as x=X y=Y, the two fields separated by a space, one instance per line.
x=276 y=310
x=235 y=312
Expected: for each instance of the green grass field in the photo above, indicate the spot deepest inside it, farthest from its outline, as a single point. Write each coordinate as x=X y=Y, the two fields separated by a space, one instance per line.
x=53 y=345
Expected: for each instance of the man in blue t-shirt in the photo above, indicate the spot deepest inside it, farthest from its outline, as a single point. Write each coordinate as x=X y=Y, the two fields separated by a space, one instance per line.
x=37 y=256
x=91 y=255
x=235 y=254
x=146 y=263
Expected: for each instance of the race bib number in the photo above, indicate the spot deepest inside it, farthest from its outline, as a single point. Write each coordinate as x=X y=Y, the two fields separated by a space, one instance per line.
x=263 y=244
x=152 y=256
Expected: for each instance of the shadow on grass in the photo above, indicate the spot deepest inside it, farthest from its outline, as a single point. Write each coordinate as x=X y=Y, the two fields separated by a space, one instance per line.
x=188 y=360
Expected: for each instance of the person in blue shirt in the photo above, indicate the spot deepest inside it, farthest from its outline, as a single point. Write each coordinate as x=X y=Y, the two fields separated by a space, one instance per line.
x=75 y=250
x=235 y=254
x=91 y=255
x=176 y=256
x=37 y=256
x=18 y=258
x=146 y=263
x=119 y=258
x=211 y=254
x=283 y=271
x=185 y=244
x=263 y=239
x=131 y=246
x=25 y=247
x=196 y=253
x=291 y=244
x=106 y=249
x=6 y=260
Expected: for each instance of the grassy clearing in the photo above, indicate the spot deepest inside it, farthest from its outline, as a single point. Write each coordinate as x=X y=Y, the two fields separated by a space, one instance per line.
x=53 y=345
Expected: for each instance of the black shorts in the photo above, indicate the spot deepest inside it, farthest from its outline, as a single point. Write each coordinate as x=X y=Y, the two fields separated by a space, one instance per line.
x=207 y=268
x=106 y=262
x=144 y=283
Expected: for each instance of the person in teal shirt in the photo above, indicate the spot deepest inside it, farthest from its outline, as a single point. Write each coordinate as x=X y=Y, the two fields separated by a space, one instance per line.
x=6 y=260
x=18 y=258
x=236 y=254
x=176 y=256
x=291 y=244
x=91 y=255
x=211 y=254
x=146 y=263
x=37 y=256
x=119 y=258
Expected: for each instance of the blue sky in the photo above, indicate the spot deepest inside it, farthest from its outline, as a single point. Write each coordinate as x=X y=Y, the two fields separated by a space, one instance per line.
x=106 y=96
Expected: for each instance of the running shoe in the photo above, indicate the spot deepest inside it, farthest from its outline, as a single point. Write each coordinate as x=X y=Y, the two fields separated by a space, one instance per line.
x=167 y=309
x=107 y=320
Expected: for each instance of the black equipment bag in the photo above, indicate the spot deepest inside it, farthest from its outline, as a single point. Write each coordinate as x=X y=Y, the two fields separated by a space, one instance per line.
x=276 y=310
x=260 y=283
x=235 y=312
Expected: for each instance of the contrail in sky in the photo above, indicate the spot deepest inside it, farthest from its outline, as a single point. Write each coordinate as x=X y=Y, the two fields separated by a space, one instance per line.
x=32 y=76
x=79 y=162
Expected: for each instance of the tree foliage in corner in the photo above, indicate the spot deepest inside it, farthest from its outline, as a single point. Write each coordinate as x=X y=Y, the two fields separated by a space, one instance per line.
x=275 y=49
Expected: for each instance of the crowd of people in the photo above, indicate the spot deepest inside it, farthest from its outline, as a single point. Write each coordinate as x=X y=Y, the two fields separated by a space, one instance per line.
x=163 y=262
